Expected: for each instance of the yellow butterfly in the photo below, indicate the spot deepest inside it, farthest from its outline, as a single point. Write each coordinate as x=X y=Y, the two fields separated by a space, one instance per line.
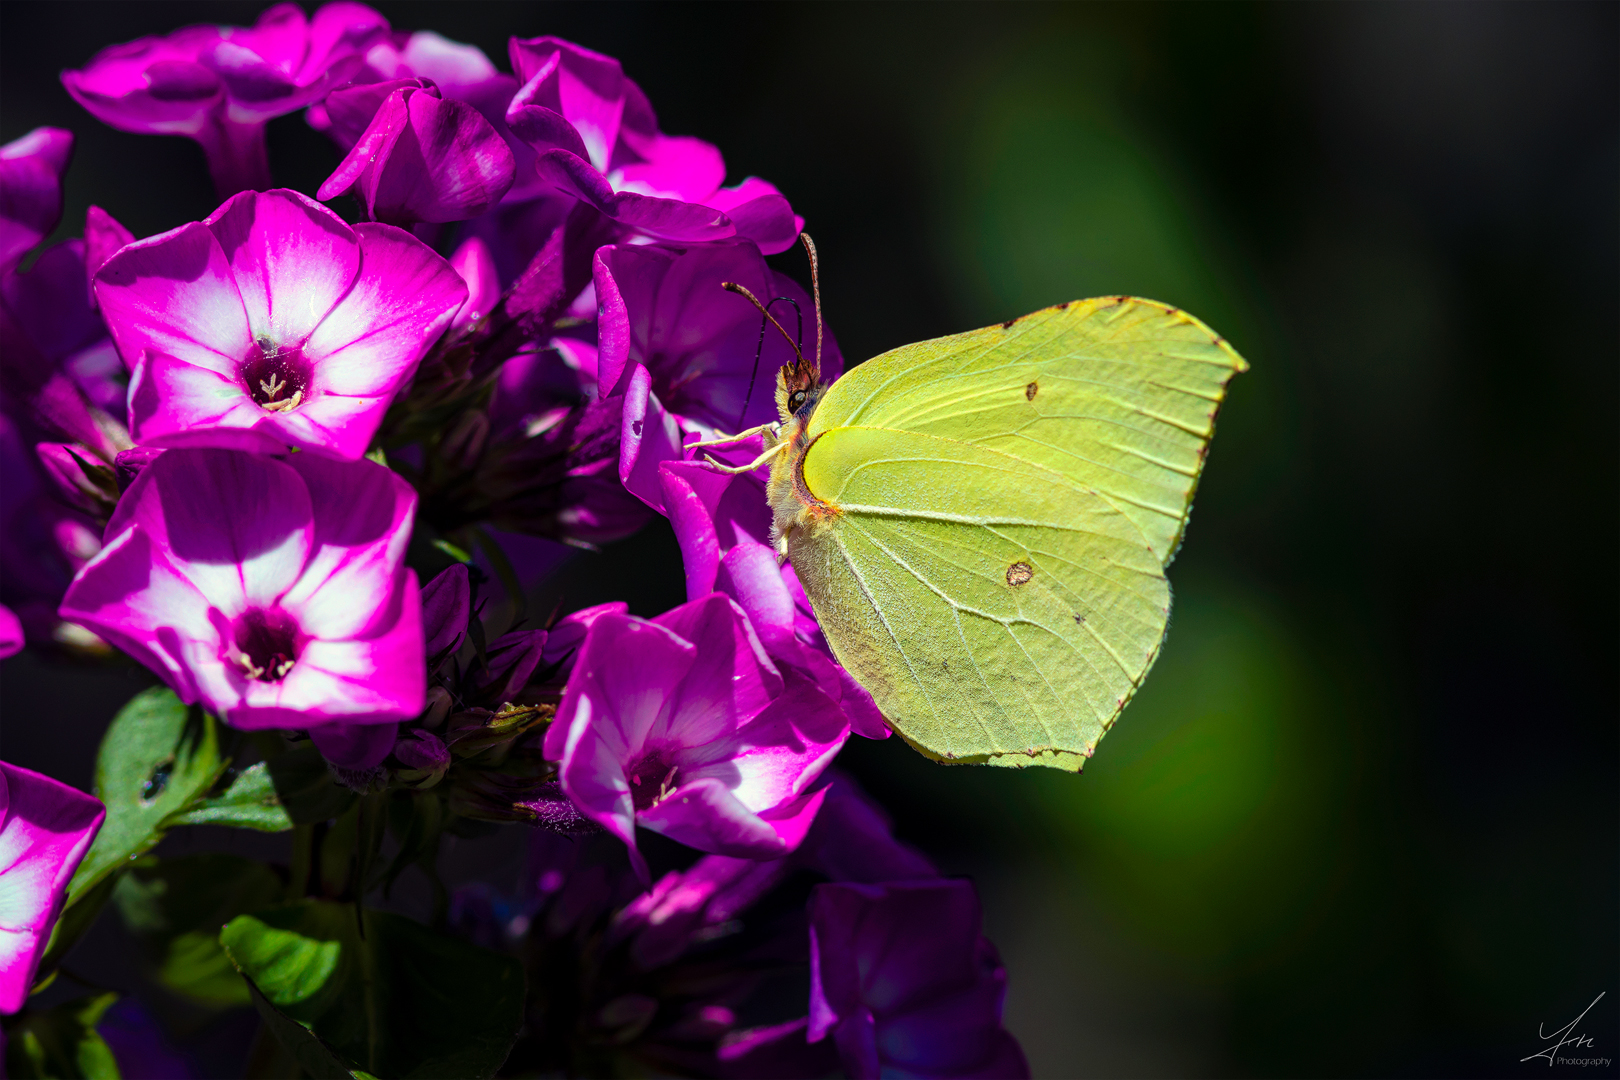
x=982 y=521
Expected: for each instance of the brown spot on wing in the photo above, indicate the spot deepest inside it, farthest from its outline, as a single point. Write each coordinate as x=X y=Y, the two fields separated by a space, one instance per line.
x=1020 y=573
x=1031 y=390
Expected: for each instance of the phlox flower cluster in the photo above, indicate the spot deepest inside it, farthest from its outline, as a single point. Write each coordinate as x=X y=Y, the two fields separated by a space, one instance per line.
x=294 y=459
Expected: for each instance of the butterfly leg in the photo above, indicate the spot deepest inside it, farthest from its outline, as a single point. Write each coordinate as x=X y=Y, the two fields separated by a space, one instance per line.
x=724 y=440
x=738 y=470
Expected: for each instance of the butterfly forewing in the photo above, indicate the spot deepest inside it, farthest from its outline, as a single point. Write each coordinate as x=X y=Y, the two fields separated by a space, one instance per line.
x=1006 y=501
x=1118 y=392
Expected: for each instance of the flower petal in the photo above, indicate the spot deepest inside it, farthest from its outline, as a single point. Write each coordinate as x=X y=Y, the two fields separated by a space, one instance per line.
x=175 y=403
x=292 y=258
x=403 y=300
x=705 y=815
x=363 y=514
x=236 y=525
x=359 y=681
x=174 y=293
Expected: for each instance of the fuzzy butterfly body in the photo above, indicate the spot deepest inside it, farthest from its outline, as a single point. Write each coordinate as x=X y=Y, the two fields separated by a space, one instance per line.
x=982 y=522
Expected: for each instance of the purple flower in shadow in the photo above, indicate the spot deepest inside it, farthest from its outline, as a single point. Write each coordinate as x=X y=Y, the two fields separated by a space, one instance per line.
x=45 y=829
x=31 y=190
x=274 y=592
x=681 y=348
x=597 y=140
x=273 y=323
x=906 y=984
x=683 y=725
x=423 y=157
x=722 y=524
x=218 y=85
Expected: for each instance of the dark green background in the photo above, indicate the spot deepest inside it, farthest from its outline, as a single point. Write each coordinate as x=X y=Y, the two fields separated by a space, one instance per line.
x=1362 y=819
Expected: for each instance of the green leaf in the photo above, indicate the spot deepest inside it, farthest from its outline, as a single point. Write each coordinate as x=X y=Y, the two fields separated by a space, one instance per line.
x=176 y=907
x=400 y=1000
x=251 y=802
x=61 y=1043
x=156 y=758
x=313 y=1056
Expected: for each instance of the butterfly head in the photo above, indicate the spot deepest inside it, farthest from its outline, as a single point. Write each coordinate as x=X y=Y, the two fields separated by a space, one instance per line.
x=798 y=389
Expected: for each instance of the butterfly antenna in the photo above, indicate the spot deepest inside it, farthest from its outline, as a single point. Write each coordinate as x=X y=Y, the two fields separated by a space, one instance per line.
x=759 y=350
x=815 y=285
x=740 y=290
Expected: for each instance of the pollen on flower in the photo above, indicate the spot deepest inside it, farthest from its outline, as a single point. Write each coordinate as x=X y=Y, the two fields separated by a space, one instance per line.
x=652 y=780
x=276 y=377
x=266 y=645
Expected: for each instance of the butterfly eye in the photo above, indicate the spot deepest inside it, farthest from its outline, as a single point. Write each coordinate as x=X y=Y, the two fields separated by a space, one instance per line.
x=796 y=400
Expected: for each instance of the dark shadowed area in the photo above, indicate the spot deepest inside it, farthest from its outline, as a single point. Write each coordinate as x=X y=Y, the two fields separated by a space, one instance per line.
x=1362 y=818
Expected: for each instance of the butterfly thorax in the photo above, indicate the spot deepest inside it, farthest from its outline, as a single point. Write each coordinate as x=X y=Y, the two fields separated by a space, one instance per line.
x=793 y=506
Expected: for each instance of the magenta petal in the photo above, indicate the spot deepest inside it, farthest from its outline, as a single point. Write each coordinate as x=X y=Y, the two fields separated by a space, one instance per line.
x=649 y=437
x=292 y=260
x=103 y=237
x=401 y=303
x=174 y=403
x=237 y=525
x=424 y=158
x=769 y=222
x=446 y=606
x=676 y=167
x=46 y=828
x=363 y=680
x=332 y=424
x=865 y=719
x=363 y=513
x=174 y=293
x=354 y=746
x=663 y=219
x=754 y=578
x=473 y=261
x=705 y=815
x=731 y=678
x=689 y=490
x=151 y=86
x=138 y=601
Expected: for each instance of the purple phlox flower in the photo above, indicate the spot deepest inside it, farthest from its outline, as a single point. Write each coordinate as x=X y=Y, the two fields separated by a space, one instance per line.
x=722 y=524
x=11 y=633
x=272 y=323
x=682 y=349
x=424 y=158
x=682 y=724
x=902 y=978
x=598 y=141
x=473 y=261
x=31 y=171
x=45 y=829
x=218 y=85
x=274 y=592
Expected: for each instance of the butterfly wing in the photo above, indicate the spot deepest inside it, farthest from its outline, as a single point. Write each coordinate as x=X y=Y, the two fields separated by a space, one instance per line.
x=1006 y=502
